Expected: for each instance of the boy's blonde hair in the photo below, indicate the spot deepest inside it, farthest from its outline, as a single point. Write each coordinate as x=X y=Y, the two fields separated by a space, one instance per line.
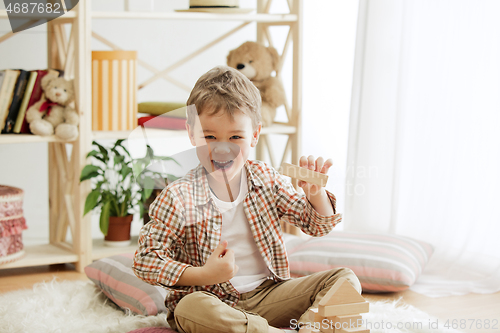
x=224 y=89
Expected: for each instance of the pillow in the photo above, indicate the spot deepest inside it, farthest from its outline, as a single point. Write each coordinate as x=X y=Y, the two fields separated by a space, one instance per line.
x=382 y=262
x=115 y=278
x=174 y=109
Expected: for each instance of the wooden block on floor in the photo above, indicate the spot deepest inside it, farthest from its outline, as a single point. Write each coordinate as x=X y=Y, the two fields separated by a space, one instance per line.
x=314 y=316
x=304 y=174
x=342 y=292
x=343 y=309
x=346 y=321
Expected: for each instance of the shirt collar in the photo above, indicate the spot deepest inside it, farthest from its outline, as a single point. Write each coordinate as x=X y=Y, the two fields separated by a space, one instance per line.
x=202 y=189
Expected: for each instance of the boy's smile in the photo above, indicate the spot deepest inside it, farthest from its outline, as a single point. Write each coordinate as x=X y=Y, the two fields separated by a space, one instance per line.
x=223 y=145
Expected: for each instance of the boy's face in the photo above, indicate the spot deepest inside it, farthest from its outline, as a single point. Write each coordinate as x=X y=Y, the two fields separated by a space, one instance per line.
x=223 y=143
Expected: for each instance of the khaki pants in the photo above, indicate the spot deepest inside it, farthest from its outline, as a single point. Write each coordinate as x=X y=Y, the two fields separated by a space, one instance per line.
x=282 y=304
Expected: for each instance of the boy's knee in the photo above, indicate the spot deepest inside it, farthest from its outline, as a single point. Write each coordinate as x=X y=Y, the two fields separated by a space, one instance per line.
x=350 y=276
x=194 y=303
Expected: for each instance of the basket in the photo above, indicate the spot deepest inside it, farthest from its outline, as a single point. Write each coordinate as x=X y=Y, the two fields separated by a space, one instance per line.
x=12 y=223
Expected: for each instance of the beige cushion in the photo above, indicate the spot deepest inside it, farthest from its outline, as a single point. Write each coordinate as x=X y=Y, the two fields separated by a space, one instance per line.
x=174 y=109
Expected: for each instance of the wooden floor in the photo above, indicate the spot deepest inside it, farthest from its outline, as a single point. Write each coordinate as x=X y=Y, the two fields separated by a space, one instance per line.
x=469 y=307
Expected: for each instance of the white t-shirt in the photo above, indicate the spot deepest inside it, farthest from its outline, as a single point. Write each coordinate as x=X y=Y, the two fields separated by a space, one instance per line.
x=236 y=230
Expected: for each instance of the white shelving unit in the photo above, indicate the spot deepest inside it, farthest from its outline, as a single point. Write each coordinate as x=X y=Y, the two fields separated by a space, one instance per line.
x=73 y=54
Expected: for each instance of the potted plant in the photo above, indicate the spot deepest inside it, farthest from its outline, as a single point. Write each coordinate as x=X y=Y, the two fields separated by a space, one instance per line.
x=120 y=184
x=114 y=191
x=152 y=182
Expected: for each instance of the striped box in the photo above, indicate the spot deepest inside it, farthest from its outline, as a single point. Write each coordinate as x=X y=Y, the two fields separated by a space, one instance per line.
x=114 y=90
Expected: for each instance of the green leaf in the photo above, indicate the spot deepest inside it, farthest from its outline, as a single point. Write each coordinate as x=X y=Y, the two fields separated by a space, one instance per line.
x=123 y=147
x=119 y=142
x=149 y=185
x=167 y=158
x=124 y=205
x=137 y=168
x=91 y=201
x=89 y=171
x=141 y=211
x=119 y=159
x=114 y=208
x=103 y=151
x=125 y=171
x=104 y=218
x=93 y=153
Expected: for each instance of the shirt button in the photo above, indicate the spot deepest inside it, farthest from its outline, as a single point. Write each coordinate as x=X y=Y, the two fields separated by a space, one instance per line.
x=216 y=227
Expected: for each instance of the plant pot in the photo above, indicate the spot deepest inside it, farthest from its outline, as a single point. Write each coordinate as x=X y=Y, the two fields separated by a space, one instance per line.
x=118 y=231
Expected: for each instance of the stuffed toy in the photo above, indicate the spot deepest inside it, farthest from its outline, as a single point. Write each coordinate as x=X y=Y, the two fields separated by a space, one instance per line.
x=257 y=62
x=52 y=113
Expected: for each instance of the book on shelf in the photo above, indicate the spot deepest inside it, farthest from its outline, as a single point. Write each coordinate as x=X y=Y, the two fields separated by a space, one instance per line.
x=17 y=99
x=7 y=93
x=24 y=104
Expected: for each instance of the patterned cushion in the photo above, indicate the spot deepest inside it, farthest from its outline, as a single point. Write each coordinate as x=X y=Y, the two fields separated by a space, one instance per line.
x=382 y=262
x=114 y=276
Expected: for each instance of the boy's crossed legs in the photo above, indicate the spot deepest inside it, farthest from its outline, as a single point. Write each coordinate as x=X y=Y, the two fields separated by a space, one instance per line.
x=283 y=304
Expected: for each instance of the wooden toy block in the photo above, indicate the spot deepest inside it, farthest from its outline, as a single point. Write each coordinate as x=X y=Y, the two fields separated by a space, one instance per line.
x=304 y=174
x=346 y=321
x=343 y=309
x=334 y=324
x=342 y=292
x=314 y=316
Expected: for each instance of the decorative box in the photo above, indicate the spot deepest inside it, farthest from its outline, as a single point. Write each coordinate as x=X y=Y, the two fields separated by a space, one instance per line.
x=114 y=90
x=12 y=224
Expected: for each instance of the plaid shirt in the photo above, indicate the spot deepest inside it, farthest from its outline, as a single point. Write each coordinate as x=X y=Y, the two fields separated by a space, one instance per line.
x=185 y=229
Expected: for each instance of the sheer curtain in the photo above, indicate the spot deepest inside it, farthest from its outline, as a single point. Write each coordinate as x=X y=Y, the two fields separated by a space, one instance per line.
x=424 y=140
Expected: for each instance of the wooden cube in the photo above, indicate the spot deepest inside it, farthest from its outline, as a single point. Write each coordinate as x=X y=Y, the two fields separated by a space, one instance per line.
x=338 y=322
x=314 y=316
x=346 y=321
x=304 y=174
x=343 y=309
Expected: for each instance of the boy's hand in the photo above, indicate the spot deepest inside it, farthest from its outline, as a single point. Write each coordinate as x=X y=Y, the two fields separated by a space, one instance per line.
x=316 y=194
x=220 y=266
x=318 y=165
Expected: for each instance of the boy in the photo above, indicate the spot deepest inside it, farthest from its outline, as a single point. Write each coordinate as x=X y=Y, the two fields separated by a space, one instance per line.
x=214 y=238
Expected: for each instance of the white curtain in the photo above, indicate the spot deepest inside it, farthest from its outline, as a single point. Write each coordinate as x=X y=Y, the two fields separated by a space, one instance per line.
x=424 y=140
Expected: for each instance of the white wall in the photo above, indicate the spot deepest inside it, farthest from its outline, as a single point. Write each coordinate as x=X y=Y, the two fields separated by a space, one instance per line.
x=329 y=32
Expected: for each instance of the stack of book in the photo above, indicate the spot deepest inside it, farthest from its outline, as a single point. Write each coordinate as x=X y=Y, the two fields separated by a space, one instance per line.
x=19 y=89
x=163 y=115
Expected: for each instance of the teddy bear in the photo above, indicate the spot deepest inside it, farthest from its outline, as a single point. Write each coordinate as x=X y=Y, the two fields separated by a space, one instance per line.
x=257 y=62
x=53 y=113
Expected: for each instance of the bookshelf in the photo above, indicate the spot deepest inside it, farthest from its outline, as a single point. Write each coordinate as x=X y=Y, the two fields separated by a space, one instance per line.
x=73 y=54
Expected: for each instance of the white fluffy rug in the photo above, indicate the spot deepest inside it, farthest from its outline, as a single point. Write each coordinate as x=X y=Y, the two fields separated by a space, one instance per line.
x=78 y=306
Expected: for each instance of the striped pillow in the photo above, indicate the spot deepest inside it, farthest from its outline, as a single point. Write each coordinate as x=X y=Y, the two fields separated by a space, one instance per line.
x=115 y=278
x=382 y=262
